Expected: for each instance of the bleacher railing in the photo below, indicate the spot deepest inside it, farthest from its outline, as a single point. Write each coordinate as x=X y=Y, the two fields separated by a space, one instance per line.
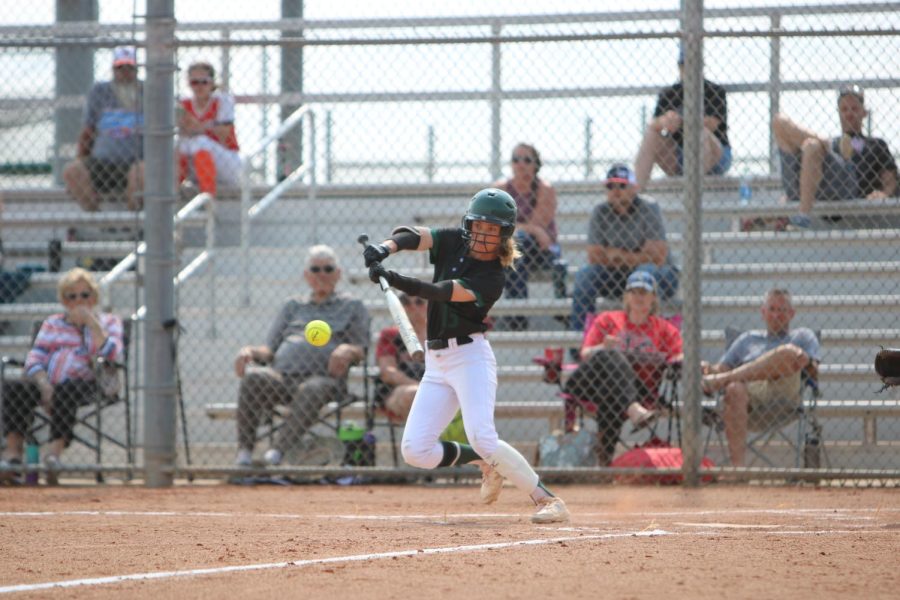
x=250 y=212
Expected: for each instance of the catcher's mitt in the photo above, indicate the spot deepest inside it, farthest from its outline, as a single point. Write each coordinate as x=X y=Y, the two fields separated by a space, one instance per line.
x=887 y=365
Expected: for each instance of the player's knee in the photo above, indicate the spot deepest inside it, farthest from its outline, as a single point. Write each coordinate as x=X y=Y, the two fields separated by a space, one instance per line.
x=485 y=444
x=416 y=454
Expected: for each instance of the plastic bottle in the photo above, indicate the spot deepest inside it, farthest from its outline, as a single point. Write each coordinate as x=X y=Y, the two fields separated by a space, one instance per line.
x=745 y=190
x=32 y=459
x=812 y=451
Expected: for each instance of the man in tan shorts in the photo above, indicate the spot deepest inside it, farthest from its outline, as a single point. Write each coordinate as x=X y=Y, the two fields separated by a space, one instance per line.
x=760 y=373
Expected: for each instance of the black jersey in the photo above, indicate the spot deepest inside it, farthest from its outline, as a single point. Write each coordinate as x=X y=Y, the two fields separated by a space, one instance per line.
x=484 y=278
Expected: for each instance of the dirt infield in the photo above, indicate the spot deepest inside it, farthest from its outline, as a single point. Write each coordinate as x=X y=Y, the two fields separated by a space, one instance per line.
x=218 y=541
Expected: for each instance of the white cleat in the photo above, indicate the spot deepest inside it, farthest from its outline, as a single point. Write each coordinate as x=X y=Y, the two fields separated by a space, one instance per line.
x=550 y=510
x=491 y=484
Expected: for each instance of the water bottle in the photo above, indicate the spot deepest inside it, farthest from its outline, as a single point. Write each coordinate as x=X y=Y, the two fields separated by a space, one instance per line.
x=811 y=451
x=32 y=459
x=745 y=191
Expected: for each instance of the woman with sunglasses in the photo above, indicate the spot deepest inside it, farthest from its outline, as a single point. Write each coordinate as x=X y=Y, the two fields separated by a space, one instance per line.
x=207 y=146
x=460 y=367
x=59 y=369
x=623 y=358
x=536 y=232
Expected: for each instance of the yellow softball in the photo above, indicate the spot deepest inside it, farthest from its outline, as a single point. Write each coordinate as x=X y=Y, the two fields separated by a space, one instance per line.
x=318 y=333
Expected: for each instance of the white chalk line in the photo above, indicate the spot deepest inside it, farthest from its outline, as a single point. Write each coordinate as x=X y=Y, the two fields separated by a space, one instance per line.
x=726 y=525
x=427 y=551
x=30 y=587
x=834 y=513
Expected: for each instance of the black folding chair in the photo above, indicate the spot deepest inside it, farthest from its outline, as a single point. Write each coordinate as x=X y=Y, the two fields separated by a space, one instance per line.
x=805 y=442
x=90 y=414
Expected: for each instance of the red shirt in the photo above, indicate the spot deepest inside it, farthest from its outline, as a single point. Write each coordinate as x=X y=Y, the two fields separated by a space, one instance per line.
x=655 y=336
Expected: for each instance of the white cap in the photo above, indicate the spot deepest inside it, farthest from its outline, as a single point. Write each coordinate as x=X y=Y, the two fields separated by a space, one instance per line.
x=124 y=55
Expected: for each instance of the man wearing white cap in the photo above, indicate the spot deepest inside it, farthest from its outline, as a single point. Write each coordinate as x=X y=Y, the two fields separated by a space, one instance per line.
x=625 y=234
x=110 y=146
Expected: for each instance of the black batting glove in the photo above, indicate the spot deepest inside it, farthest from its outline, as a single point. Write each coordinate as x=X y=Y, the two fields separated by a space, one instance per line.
x=376 y=270
x=375 y=253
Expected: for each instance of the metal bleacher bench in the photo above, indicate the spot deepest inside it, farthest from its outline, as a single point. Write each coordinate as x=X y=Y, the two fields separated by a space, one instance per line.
x=552 y=410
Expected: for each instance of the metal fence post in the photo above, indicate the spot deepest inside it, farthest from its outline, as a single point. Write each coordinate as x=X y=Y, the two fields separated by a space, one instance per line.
x=159 y=367
x=692 y=39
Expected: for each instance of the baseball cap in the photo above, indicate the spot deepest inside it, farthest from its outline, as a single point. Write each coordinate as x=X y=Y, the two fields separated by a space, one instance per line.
x=124 y=55
x=852 y=89
x=642 y=280
x=620 y=174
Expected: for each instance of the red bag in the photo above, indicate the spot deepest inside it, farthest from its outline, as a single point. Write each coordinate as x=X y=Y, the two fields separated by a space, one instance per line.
x=655 y=454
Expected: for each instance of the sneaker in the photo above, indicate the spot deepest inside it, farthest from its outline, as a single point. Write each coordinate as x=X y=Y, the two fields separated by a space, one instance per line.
x=645 y=420
x=272 y=457
x=799 y=222
x=11 y=477
x=52 y=475
x=244 y=458
x=491 y=484
x=550 y=510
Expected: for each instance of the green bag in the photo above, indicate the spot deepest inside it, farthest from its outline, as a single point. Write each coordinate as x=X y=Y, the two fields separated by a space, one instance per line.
x=455 y=431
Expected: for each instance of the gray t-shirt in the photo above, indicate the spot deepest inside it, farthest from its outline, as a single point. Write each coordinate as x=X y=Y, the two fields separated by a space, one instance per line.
x=349 y=321
x=642 y=223
x=753 y=344
x=118 y=127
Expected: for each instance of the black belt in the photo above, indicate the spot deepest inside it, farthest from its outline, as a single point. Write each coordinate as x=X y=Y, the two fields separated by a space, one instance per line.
x=440 y=344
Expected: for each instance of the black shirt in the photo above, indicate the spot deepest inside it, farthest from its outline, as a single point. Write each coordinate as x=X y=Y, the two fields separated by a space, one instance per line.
x=484 y=278
x=871 y=158
x=714 y=105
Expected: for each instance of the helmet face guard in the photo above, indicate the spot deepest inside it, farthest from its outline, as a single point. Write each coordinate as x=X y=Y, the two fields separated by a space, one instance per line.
x=490 y=206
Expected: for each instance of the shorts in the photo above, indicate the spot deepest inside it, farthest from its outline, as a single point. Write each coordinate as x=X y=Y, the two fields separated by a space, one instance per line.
x=839 y=180
x=720 y=168
x=773 y=402
x=107 y=176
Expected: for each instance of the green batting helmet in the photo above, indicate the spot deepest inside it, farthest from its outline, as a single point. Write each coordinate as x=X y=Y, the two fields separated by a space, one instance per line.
x=493 y=206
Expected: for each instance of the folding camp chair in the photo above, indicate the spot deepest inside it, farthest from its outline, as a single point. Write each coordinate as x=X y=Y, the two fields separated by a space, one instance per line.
x=805 y=442
x=90 y=415
x=660 y=397
x=315 y=448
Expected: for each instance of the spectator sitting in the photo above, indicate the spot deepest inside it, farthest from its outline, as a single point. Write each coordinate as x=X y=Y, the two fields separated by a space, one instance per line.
x=110 y=146
x=625 y=234
x=760 y=373
x=663 y=138
x=59 y=369
x=623 y=355
x=289 y=370
x=851 y=165
x=207 y=144
x=536 y=233
x=399 y=376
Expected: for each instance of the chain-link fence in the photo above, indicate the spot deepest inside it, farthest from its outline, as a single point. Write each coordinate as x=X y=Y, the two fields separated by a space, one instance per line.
x=308 y=130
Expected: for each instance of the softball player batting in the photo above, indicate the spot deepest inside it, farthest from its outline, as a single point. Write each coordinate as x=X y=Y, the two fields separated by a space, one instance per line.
x=460 y=368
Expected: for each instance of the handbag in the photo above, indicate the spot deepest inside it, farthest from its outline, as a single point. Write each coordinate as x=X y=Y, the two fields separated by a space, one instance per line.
x=109 y=379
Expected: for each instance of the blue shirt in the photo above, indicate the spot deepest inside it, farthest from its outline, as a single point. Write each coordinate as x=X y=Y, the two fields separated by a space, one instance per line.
x=753 y=344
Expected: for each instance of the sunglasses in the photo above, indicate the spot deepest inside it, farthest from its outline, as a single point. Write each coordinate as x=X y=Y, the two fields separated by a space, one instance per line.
x=318 y=269
x=616 y=186
x=525 y=159
x=200 y=81
x=124 y=67
x=73 y=296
